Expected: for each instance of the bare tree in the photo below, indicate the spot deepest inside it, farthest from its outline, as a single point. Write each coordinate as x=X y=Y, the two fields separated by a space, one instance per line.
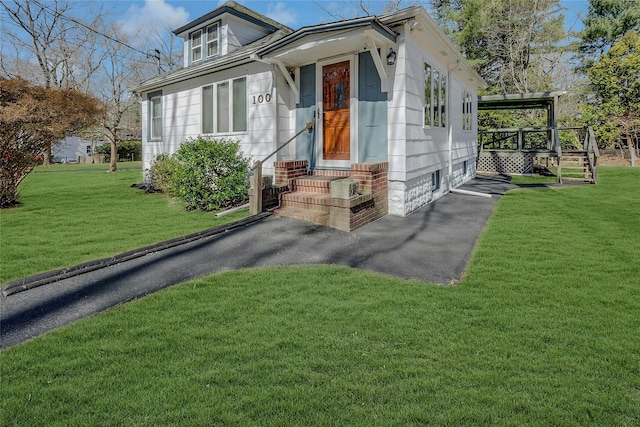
x=122 y=68
x=62 y=46
x=51 y=35
x=355 y=8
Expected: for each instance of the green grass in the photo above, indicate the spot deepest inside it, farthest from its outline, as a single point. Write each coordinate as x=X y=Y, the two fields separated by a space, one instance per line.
x=537 y=179
x=75 y=167
x=78 y=215
x=542 y=331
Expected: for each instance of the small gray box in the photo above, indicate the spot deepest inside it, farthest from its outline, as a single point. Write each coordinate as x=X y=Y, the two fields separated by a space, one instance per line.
x=344 y=188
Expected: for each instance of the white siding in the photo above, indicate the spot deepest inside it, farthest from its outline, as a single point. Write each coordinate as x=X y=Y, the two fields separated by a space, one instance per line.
x=182 y=114
x=416 y=151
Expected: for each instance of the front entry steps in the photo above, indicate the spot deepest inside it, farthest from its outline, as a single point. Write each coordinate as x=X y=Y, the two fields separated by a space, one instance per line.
x=345 y=199
x=309 y=199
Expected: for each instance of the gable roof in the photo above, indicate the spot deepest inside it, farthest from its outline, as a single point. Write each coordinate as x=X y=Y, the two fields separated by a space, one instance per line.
x=368 y=21
x=235 y=9
x=284 y=37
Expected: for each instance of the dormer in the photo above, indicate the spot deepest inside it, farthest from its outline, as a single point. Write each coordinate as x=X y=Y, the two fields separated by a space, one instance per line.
x=222 y=31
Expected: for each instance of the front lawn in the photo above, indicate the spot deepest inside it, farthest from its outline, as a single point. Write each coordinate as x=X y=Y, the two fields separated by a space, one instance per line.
x=76 y=213
x=542 y=331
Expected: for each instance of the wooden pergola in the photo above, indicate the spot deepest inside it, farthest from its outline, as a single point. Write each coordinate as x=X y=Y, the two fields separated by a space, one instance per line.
x=516 y=150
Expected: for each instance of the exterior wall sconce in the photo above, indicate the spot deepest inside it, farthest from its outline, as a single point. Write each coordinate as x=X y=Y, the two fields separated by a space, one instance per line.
x=391 y=57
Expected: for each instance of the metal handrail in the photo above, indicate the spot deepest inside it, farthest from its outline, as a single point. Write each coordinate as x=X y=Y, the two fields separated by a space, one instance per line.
x=255 y=205
x=308 y=127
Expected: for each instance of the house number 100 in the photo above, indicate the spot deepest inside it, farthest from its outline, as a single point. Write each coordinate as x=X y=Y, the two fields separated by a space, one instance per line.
x=261 y=98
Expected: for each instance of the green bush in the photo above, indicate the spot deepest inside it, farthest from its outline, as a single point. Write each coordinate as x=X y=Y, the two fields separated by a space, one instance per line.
x=126 y=149
x=206 y=174
x=161 y=173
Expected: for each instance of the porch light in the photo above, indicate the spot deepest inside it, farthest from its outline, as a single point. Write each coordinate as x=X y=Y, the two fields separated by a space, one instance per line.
x=391 y=57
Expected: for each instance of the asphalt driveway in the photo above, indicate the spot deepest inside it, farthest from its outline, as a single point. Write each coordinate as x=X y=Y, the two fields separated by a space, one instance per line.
x=433 y=244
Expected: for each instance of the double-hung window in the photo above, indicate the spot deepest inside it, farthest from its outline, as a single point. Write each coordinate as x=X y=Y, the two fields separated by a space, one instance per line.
x=196 y=46
x=205 y=43
x=212 y=40
x=155 y=116
x=435 y=96
x=224 y=107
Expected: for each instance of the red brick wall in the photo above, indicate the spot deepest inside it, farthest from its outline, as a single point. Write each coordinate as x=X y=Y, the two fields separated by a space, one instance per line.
x=284 y=171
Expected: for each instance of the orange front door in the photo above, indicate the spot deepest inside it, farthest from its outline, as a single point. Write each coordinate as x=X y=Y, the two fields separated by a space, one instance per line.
x=336 y=92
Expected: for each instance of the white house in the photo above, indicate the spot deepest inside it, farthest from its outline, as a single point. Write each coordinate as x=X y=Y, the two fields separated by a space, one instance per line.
x=389 y=89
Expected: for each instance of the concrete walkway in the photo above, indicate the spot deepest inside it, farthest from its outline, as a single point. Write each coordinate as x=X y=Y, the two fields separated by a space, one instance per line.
x=433 y=244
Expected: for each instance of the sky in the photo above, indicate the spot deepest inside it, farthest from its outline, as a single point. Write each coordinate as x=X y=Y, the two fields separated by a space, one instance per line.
x=293 y=13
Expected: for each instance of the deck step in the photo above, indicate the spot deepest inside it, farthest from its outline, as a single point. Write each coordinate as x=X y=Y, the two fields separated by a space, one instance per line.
x=320 y=218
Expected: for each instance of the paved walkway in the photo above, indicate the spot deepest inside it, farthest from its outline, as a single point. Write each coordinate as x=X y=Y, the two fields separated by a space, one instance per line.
x=433 y=244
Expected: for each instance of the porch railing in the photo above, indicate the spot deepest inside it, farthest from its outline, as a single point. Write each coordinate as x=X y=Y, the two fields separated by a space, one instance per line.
x=255 y=205
x=556 y=141
x=517 y=138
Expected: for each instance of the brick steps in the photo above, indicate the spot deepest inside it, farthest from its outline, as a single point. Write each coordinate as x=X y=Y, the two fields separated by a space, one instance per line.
x=320 y=218
x=314 y=183
x=354 y=203
x=306 y=200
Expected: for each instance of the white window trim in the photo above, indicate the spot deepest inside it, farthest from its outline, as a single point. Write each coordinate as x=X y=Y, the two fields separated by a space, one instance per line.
x=194 y=47
x=442 y=99
x=207 y=41
x=231 y=105
x=151 y=98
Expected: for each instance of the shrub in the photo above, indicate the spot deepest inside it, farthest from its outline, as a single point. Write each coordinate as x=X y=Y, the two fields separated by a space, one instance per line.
x=208 y=175
x=161 y=173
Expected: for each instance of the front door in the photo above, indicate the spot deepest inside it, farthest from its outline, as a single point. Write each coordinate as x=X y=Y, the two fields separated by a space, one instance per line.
x=336 y=97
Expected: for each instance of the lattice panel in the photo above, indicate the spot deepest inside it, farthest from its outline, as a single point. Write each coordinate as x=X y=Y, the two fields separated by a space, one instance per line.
x=505 y=162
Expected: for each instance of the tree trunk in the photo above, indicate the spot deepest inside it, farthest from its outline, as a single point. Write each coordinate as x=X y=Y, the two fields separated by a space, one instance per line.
x=113 y=165
x=632 y=149
x=48 y=155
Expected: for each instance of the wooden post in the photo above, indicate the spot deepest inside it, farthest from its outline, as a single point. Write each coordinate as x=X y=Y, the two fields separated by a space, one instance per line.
x=520 y=138
x=255 y=207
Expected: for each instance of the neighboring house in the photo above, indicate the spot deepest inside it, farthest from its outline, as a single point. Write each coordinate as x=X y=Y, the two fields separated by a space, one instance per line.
x=389 y=89
x=71 y=148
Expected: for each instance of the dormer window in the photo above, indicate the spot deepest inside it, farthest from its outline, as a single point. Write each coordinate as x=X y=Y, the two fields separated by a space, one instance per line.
x=196 y=46
x=212 y=40
x=207 y=38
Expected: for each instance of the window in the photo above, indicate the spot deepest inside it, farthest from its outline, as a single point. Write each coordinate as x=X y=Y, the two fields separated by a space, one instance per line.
x=207 y=109
x=212 y=40
x=428 y=96
x=196 y=46
x=467 y=112
x=435 y=181
x=240 y=105
x=155 y=116
x=443 y=100
x=224 y=107
x=207 y=39
x=435 y=81
x=435 y=95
